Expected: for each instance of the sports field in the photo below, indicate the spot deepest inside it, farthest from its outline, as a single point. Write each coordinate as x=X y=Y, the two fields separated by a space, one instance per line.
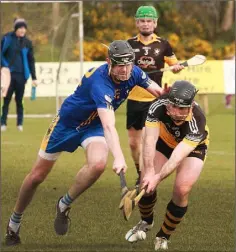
x=97 y=223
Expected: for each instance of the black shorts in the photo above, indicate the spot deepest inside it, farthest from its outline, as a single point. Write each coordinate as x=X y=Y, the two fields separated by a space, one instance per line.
x=136 y=114
x=199 y=152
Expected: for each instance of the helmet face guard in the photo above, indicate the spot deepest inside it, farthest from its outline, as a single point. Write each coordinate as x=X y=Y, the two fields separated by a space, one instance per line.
x=121 y=54
x=180 y=115
x=122 y=59
x=122 y=73
x=181 y=95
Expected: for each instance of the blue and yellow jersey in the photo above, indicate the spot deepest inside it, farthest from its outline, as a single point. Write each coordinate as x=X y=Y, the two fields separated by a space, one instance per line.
x=98 y=90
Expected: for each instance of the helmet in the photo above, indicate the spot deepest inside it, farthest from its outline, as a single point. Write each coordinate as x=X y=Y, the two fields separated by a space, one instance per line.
x=182 y=93
x=121 y=53
x=146 y=12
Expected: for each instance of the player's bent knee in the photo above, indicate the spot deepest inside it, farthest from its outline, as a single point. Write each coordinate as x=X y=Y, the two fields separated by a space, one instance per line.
x=42 y=167
x=135 y=138
x=182 y=191
x=134 y=143
x=37 y=178
x=99 y=166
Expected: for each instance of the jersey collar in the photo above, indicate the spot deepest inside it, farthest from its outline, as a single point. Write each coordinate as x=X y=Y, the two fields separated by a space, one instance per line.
x=154 y=39
x=190 y=116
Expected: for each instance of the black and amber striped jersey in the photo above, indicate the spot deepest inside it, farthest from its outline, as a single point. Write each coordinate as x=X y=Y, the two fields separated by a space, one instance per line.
x=193 y=131
x=149 y=56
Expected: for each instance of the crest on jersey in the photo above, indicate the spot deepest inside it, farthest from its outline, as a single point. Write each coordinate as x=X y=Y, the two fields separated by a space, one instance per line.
x=108 y=98
x=146 y=61
x=156 y=51
x=143 y=75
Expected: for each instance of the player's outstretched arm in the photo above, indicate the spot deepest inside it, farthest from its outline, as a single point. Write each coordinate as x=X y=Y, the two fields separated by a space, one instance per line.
x=155 y=89
x=150 y=138
x=107 y=117
x=149 y=150
x=181 y=151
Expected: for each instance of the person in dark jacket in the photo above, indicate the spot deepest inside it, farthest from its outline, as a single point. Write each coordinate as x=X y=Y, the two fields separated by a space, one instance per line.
x=17 y=54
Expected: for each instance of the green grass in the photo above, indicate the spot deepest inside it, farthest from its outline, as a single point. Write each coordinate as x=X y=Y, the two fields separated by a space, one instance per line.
x=97 y=223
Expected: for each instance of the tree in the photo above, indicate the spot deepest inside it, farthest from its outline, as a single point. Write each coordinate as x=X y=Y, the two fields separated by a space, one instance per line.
x=228 y=18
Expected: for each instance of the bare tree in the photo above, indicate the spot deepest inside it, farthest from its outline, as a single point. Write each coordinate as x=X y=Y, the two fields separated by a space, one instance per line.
x=55 y=14
x=228 y=17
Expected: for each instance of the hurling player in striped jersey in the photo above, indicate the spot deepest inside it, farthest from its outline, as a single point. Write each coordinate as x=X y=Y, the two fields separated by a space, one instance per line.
x=176 y=139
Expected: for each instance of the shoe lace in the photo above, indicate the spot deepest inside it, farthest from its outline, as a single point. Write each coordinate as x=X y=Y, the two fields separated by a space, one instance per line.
x=161 y=240
x=65 y=216
x=140 y=226
x=12 y=234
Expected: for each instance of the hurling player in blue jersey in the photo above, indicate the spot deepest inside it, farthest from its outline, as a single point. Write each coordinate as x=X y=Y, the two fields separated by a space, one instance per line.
x=86 y=119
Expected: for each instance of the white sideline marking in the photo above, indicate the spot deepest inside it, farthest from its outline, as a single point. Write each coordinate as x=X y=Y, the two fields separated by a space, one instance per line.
x=34 y=116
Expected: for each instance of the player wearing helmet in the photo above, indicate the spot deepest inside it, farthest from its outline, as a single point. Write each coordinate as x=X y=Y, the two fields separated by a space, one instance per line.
x=151 y=53
x=86 y=118
x=176 y=138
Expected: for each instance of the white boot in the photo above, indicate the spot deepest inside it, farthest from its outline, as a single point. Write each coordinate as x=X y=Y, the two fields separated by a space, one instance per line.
x=138 y=232
x=3 y=128
x=161 y=243
x=20 y=128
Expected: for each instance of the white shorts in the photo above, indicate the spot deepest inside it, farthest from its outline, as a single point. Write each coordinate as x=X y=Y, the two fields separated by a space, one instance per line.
x=84 y=144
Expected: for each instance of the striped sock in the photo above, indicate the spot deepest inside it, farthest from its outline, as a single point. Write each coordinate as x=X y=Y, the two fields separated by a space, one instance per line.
x=146 y=206
x=65 y=202
x=15 y=221
x=174 y=215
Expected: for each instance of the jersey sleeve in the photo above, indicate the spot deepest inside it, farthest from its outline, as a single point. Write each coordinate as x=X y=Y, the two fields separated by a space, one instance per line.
x=169 y=56
x=196 y=131
x=101 y=96
x=155 y=113
x=141 y=78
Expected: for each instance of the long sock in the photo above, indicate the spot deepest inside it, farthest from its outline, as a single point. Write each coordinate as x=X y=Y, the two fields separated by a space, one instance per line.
x=146 y=206
x=137 y=169
x=65 y=202
x=139 y=173
x=15 y=221
x=174 y=215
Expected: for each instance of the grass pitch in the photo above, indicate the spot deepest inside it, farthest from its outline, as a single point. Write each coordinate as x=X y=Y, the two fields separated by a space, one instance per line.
x=97 y=223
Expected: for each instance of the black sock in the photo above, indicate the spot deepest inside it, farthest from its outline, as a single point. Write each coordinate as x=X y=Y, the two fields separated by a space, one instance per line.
x=174 y=215
x=146 y=206
x=137 y=169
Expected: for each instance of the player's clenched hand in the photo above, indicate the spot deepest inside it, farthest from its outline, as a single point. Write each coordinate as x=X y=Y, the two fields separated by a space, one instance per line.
x=118 y=165
x=150 y=182
x=177 y=68
x=34 y=83
x=166 y=89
